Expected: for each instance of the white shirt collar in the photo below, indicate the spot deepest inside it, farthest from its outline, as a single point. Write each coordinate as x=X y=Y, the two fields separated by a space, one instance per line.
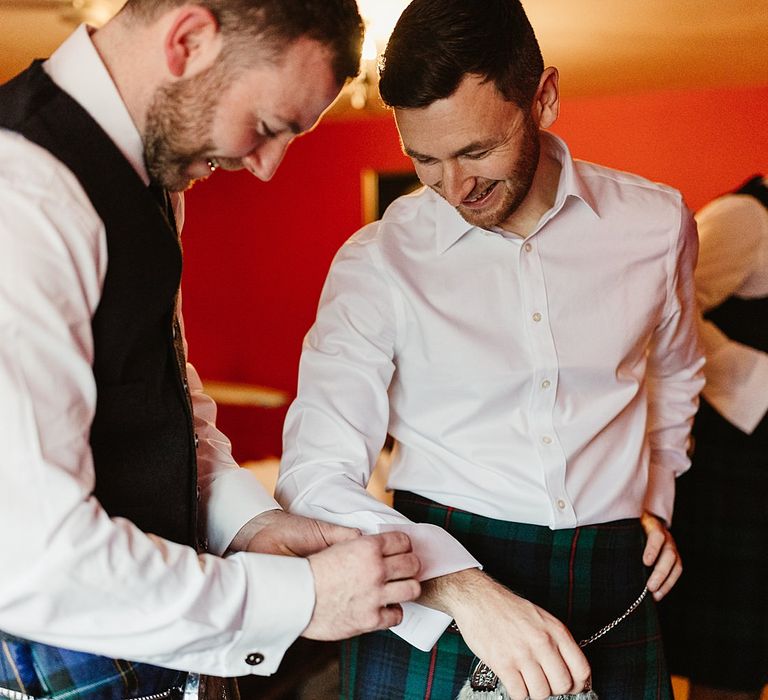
x=77 y=68
x=451 y=226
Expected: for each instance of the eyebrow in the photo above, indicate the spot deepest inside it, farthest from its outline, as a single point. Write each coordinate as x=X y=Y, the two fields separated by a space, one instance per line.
x=469 y=148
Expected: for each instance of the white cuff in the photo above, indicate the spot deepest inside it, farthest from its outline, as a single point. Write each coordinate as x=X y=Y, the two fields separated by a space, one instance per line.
x=440 y=554
x=278 y=608
x=421 y=626
x=233 y=498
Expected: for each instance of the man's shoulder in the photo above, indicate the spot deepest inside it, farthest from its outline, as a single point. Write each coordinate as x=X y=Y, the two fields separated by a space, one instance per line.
x=404 y=215
x=30 y=170
x=606 y=180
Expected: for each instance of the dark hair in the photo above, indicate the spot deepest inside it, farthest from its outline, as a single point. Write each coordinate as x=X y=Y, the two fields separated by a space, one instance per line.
x=275 y=23
x=437 y=42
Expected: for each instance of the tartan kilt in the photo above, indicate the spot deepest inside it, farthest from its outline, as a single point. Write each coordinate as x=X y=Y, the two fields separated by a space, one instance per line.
x=586 y=577
x=43 y=671
x=715 y=620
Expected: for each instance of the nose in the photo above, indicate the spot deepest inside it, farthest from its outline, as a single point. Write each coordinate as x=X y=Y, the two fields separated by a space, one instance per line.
x=263 y=160
x=456 y=185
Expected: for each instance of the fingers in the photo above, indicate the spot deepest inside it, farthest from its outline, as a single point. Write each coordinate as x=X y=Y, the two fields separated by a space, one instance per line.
x=393 y=542
x=553 y=677
x=666 y=572
x=562 y=670
x=515 y=686
x=396 y=592
x=359 y=585
x=661 y=553
x=653 y=546
x=391 y=616
x=332 y=534
x=400 y=566
x=577 y=664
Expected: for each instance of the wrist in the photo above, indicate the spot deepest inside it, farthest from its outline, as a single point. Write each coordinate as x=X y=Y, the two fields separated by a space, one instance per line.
x=453 y=593
x=248 y=531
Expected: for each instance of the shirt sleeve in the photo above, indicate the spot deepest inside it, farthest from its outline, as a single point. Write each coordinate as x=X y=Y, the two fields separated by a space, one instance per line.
x=73 y=576
x=675 y=375
x=731 y=238
x=337 y=424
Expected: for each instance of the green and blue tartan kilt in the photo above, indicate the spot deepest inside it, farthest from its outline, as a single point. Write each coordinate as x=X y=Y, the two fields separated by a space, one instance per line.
x=586 y=577
x=43 y=671
x=715 y=620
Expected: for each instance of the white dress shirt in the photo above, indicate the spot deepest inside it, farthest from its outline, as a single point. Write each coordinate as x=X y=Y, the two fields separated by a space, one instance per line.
x=550 y=380
x=72 y=576
x=733 y=261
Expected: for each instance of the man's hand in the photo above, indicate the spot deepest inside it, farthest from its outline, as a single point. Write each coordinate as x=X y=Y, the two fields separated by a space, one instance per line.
x=531 y=651
x=661 y=553
x=359 y=585
x=278 y=532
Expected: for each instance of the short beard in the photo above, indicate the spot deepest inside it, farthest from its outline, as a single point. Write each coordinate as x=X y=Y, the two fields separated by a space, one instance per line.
x=178 y=127
x=516 y=185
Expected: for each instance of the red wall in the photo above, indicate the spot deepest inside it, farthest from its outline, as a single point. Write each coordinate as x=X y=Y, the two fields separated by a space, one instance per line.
x=256 y=253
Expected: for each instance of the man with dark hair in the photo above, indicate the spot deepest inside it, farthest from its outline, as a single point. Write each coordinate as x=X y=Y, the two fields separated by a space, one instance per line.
x=118 y=496
x=524 y=328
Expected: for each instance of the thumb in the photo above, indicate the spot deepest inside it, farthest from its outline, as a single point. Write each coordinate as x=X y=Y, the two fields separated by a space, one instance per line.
x=332 y=534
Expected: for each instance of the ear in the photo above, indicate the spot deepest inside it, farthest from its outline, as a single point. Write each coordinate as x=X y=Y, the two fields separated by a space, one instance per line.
x=192 y=42
x=546 y=104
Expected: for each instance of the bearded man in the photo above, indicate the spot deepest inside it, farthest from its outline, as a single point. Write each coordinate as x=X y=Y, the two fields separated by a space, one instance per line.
x=524 y=328
x=118 y=496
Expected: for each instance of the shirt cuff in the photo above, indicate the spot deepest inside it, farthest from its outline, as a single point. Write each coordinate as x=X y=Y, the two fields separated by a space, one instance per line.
x=439 y=554
x=421 y=626
x=278 y=608
x=233 y=498
x=736 y=381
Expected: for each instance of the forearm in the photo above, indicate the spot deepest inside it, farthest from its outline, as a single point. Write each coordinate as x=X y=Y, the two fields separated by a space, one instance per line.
x=450 y=593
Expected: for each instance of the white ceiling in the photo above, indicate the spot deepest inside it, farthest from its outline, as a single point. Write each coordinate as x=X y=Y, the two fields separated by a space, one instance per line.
x=600 y=46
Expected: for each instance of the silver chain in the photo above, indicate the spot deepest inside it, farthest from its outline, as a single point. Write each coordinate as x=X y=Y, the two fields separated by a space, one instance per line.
x=617 y=621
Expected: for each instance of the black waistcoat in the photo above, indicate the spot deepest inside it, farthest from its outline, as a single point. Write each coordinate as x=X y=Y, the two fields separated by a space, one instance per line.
x=745 y=320
x=142 y=436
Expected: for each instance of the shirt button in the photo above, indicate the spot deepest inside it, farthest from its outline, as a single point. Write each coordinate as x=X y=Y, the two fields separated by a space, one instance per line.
x=546 y=384
x=537 y=317
x=546 y=440
x=254 y=659
x=527 y=247
x=561 y=504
